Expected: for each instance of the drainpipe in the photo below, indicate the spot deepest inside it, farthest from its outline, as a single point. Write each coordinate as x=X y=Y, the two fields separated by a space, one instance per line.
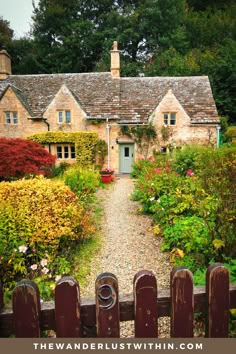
x=48 y=125
x=108 y=143
x=218 y=136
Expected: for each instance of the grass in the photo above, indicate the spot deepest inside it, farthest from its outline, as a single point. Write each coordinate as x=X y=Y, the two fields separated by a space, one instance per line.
x=88 y=248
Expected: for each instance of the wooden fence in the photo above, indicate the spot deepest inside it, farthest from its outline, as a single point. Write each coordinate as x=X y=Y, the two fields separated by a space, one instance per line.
x=70 y=317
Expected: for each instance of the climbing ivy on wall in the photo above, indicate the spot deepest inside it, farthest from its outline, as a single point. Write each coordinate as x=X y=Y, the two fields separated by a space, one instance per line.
x=86 y=143
x=143 y=135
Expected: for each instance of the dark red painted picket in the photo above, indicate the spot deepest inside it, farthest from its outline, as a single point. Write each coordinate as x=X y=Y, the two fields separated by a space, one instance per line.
x=107 y=306
x=218 y=301
x=67 y=312
x=145 y=305
x=182 y=308
x=1 y=296
x=26 y=309
x=70 y=317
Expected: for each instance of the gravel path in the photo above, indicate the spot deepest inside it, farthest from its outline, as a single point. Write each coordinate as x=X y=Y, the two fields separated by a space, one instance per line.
x=129 y=246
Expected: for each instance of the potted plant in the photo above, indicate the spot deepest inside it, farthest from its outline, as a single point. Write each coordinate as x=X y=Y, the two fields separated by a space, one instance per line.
x=107 y=175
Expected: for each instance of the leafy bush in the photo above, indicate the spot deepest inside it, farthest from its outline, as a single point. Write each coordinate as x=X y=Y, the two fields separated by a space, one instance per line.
x=19 y=158
x=187 y=159
x=39 y=219
x=82 y=181
x=217 y=171
x=59 y=170
x=139 y=167
x=194 y=213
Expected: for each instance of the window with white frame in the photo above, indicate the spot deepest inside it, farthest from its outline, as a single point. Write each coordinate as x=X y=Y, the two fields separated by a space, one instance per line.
x=64 y=117
x=169 y=118
x=65 y=152
x=11 y=117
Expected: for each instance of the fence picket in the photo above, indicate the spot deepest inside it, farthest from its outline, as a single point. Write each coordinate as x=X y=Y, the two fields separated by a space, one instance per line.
x=101 y=317
x=67 y=308
x=107 y=306
x=182 y=303
x=26 y=309
x=218 y=299
x=1 y=296
x=145 y=305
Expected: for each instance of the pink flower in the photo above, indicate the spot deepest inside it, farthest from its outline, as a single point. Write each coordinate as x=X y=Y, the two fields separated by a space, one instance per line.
x=189 y=173
x=43 y=262
x=45 y=270
x=22 y=249
x=34 y=266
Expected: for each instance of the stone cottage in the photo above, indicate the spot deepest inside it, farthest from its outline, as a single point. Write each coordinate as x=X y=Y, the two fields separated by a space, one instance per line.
x=104 y=102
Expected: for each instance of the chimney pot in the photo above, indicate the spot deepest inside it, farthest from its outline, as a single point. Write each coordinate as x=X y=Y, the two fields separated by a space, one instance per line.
x=115 y=61
x=5 y=64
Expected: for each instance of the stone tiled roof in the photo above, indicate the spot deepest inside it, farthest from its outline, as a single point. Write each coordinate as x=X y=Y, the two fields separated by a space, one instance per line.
x=129 y=99
x=140 y=97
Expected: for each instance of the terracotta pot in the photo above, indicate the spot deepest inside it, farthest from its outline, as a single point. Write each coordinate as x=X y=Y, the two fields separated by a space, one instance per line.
x=106 y=178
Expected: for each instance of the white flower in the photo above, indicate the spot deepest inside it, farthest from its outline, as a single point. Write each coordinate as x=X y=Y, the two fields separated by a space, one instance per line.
x=45 y=270
x=151 y=199
x=43 y=262
x=57 y=278
x=34 y=266
x=22 y=249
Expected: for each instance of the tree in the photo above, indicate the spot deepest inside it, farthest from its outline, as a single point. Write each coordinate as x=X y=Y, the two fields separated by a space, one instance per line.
x=6 y=33
x=70 y=36
x=19 y=157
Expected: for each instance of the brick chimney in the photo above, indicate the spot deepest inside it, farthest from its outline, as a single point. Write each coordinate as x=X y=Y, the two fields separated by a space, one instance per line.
x=5 y=64
x=115 y=61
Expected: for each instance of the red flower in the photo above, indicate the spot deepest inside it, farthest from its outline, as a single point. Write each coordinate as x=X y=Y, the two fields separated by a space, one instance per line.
x=189 y=173
x=150 y=191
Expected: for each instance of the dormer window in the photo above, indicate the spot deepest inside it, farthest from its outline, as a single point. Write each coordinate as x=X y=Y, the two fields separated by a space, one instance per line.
x=64 y=117
x=169 y=118
x=11 y=117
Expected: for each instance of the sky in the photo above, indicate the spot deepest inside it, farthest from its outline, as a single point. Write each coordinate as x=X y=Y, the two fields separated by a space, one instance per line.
x=18 y=13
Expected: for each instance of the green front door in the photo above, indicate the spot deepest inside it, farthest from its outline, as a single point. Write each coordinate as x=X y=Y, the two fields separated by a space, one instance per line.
x=126 y=157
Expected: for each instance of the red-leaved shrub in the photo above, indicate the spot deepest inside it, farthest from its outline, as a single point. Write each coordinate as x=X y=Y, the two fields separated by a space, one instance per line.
x=19 y=157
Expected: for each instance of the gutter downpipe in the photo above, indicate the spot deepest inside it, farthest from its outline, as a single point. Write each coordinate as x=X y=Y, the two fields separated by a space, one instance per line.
x=218 y=136
x=108 y=143
x=48 y=125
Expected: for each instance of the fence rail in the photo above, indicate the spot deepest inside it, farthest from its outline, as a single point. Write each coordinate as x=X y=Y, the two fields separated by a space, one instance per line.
x=70 y=317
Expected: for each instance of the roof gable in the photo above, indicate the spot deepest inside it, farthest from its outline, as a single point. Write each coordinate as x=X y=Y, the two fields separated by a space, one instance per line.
x=67 y=95
x=169 y=100
x=18 y=94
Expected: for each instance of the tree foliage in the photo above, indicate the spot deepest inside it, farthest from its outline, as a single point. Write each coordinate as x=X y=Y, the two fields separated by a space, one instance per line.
x=156 y=37
x=6 y=33
x=20 y=157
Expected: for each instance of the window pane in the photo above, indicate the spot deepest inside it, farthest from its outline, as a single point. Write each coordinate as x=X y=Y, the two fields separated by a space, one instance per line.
x=126 y=151
x=72 y=152
x=7 y=118
x=66 y=152
x=15 y=118
x=172 y=118
x=60 y=117
x=68 y=119
x=165 y=118
x=59 y=152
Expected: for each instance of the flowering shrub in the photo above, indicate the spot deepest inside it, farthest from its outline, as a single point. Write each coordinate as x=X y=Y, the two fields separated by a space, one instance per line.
x=38 y=219
x=82 y=181
x=192 y=215
x=107 y=171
